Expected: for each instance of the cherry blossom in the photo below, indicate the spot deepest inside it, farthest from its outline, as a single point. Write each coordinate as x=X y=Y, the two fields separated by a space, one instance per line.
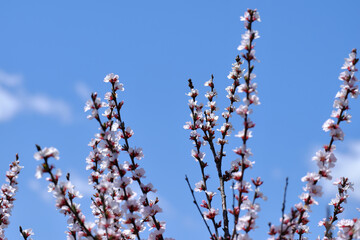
x=26 y=233
x=46 y=153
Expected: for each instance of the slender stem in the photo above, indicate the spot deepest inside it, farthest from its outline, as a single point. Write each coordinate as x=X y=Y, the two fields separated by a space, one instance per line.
x=283 y=209
x=198 y=208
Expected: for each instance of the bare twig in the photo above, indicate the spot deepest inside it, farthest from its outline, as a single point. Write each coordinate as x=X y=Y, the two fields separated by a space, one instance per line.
x=283 y=208
x=198 y=208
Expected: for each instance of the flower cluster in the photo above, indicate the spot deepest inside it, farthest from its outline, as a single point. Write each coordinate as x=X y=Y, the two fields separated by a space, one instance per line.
x=202 y=132
x=348 y=229
x=7 y=194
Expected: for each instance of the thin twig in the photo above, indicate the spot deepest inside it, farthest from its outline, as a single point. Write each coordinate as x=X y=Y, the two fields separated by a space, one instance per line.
x=283 y=208
x=198 y=208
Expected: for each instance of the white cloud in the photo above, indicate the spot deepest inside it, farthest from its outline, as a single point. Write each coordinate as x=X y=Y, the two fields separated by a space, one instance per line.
x=48 y=106
x=347 y=165
x=41 y=190
x=14 y=99
x=10 y=80
x=83 y=90
x=9 y=105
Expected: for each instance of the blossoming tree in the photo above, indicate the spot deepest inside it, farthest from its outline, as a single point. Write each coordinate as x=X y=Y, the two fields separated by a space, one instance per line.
x=121 y=203
x=203 y=132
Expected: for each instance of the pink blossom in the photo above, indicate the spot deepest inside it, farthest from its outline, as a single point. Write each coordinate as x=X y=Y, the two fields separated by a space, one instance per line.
x=211 y=213
x=46 y=153
x=112 y=78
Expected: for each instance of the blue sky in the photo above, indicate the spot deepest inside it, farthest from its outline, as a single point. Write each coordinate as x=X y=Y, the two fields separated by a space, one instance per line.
x=55 y=53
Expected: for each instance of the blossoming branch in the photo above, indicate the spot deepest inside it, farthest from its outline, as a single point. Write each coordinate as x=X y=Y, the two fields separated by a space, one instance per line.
x=204 y=122
x=120 y=211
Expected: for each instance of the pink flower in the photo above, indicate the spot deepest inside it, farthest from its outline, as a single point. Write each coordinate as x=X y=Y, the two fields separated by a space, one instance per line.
x=112 y=78
x=337 y=134
x=311 y=177
x=210 y=214
x=46 y=153
x=200 y=186
x=251 y=15
x=26 y=233
x=136 y=152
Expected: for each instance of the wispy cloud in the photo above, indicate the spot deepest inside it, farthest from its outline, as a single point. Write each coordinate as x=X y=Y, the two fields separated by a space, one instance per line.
x=48 y=106
x=40 y=190
x=9 y=105
x=10 y=80
x=82 y=90
x=14 y=99
x=347 y=165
